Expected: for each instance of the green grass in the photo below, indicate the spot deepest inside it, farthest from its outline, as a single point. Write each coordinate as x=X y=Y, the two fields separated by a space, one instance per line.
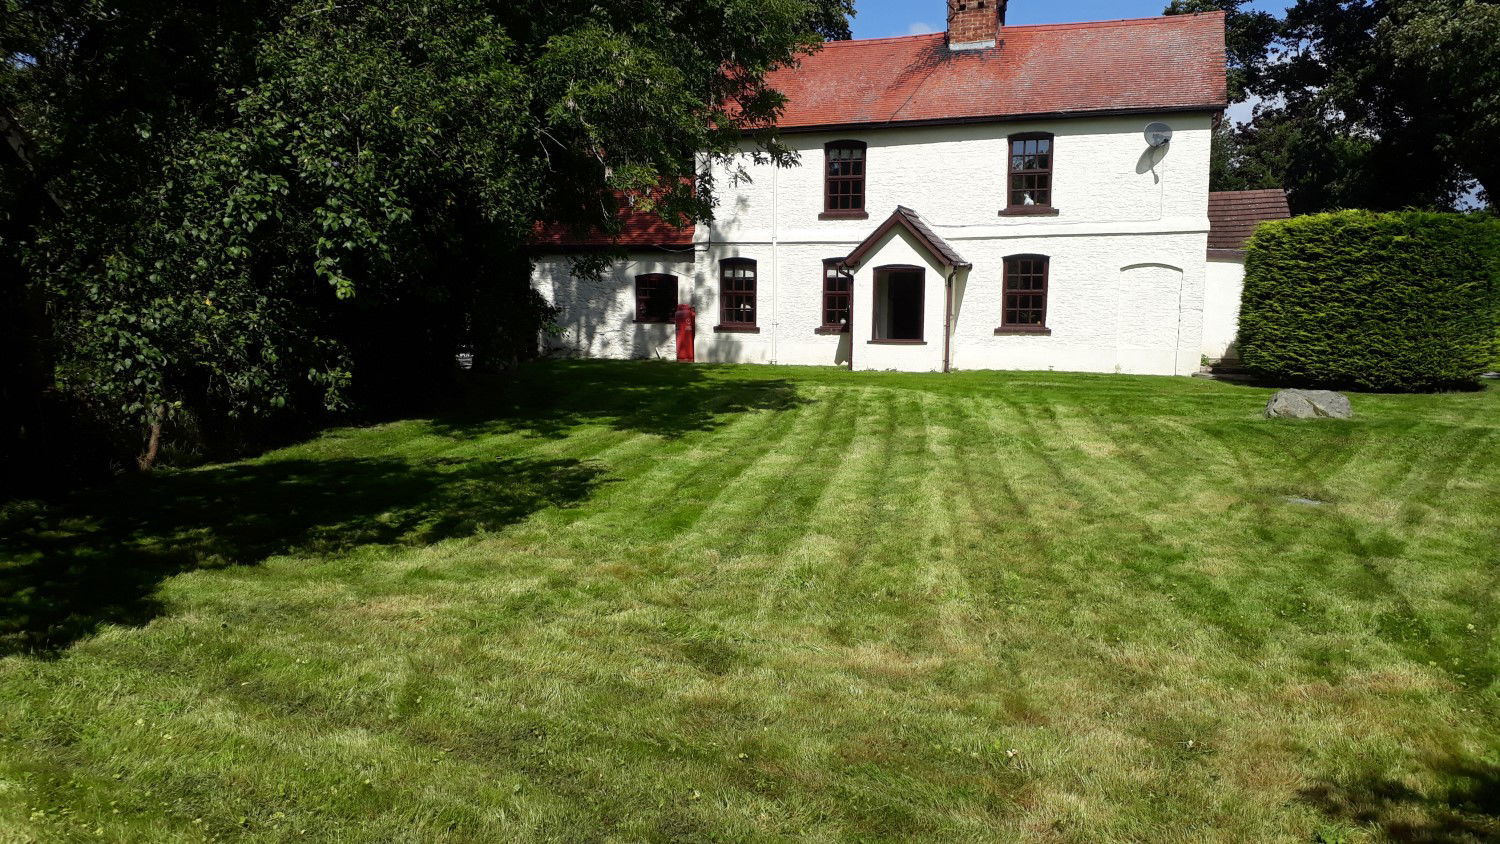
x=654 y=602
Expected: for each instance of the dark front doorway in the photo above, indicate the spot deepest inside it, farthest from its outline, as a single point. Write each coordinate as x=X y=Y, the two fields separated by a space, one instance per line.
x=899 y=293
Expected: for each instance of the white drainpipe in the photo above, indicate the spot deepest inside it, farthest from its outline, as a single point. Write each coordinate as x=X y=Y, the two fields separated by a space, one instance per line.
x=775 y=260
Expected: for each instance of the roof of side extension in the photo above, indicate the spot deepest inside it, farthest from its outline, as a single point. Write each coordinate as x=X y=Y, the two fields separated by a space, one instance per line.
x=1233 y=215
x=640 y=230
x=1173 y=63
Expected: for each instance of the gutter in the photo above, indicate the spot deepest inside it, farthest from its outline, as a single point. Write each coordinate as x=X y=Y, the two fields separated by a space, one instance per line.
x=1208 y=108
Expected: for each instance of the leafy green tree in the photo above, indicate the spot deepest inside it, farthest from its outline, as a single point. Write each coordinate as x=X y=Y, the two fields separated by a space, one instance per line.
x=286 y=205
x=1381 y=104
x=1451 y=49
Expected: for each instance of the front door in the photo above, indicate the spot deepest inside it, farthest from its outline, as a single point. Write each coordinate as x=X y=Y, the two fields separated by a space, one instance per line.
x=899 y=295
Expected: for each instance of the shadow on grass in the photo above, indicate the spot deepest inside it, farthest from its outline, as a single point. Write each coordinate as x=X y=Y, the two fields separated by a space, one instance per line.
x=99 y=558
x=669 y=400
x=1468 y=810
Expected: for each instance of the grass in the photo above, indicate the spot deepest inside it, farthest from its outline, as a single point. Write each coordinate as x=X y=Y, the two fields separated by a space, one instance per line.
x=652 y=602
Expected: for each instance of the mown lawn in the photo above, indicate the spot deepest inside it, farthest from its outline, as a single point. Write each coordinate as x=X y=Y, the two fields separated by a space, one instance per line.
x=650 y=602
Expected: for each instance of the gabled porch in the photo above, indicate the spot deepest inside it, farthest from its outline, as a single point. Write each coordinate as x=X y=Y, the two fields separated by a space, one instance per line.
x=904 y=277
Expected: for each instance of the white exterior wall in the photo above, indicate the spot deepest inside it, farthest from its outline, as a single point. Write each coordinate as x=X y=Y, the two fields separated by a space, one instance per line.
x=1127 y=249
x=1221 y=307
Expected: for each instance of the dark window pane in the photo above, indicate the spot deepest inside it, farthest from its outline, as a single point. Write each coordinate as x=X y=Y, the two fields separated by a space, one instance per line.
x=655 y=298
x=845 y=180
x=737 y=293
x=1025 y=292
x=1031 y=172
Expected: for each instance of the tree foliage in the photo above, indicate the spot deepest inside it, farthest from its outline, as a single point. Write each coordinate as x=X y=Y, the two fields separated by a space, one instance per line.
x=1381 y=104
x=277 y=206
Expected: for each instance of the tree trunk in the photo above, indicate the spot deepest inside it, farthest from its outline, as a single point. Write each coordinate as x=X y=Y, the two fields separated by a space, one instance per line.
x=147 y=461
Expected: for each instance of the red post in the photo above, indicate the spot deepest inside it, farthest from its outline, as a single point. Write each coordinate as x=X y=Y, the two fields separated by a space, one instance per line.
x=685 y=318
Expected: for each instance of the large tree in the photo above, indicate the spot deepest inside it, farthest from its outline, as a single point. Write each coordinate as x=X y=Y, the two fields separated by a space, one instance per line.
x=1381 y=104
x=282 y=205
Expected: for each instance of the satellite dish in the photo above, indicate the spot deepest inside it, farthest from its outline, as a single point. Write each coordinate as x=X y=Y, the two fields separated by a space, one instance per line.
x=1158 y=135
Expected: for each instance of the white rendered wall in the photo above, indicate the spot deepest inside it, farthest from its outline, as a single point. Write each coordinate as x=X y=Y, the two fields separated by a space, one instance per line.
x=1127 y=249
x=597 y=318
x=1129 y=304
x=1224 y=286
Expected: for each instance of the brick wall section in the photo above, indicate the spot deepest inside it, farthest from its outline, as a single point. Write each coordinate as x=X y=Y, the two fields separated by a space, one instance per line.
x=973 y=21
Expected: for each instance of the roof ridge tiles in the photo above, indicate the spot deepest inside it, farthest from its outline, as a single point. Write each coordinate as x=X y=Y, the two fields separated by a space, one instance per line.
x=1029 y=27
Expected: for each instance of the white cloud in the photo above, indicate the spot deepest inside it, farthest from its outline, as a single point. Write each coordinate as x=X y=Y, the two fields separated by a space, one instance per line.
x=920 y=28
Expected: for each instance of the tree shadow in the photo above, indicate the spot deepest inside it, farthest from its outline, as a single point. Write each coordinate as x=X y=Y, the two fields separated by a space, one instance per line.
x=1466 y=810
x=670 y=400
x=99 y=557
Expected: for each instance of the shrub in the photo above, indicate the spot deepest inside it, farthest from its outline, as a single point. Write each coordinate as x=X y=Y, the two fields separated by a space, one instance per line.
x=1397 y=302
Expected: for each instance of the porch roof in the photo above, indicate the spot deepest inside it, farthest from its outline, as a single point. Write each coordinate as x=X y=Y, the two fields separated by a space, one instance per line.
x=913 y=223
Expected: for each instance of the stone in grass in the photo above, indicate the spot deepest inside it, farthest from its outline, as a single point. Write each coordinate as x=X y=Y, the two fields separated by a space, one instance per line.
x=1309 y=404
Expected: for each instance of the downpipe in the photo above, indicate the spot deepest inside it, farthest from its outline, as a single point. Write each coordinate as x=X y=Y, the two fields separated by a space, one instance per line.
x=948 y=322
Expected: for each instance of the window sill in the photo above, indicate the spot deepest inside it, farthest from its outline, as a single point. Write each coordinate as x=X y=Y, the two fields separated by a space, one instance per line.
x=736 y=329
x=832 y=329
x=844 y=215
x=653 y=321
x=898 y=342
x=1029 y=211
x=1017 y=331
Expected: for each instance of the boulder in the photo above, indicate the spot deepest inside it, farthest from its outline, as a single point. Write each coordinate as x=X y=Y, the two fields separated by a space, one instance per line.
x=1309 y=404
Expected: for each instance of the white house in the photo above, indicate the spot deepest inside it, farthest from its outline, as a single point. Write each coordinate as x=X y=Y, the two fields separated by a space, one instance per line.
x=985 y=198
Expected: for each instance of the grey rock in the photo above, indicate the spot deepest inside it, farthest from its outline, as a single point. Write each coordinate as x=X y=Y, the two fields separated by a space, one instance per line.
x=1309 y=404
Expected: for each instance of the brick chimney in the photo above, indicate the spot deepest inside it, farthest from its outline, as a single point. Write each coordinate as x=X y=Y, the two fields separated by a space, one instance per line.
x=975 y=24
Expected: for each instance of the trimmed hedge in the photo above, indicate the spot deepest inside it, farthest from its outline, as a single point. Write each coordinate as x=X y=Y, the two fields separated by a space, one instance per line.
x=1407 y=301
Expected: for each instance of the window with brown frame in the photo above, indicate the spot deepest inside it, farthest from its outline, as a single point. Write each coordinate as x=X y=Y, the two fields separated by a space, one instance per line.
x=655 y=297
x=1030 y=173
x=737 y=278
x=837 y=284
x=844 y=179
x=1025 y=292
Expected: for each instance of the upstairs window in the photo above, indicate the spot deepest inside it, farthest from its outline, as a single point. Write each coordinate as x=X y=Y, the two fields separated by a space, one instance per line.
x=837 y=284
x=1025 y=285
x=655 y=297
x=844 y=179
x=1030 y=174
x=737 y=279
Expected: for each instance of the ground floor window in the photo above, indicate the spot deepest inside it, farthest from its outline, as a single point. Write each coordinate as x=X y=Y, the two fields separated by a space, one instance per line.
x=1025 y=307
x=655 y=297
x=737 y=278
x=899 y=293
x=837 y=284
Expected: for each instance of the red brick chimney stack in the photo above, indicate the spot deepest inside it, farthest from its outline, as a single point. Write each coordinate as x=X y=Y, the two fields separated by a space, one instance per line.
x=975 y=24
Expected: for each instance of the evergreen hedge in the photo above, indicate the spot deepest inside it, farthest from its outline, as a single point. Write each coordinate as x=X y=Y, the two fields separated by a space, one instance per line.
x=1407 y=301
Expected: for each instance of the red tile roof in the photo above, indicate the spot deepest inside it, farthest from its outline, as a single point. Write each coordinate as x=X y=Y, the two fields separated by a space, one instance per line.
x=1173 y=63
x=1233 y=215
x=642 y=230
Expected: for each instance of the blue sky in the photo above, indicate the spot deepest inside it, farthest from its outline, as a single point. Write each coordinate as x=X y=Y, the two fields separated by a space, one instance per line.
x=884 y=18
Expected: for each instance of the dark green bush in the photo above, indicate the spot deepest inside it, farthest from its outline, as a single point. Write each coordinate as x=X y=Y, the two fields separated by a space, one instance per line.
x=1401 y=302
